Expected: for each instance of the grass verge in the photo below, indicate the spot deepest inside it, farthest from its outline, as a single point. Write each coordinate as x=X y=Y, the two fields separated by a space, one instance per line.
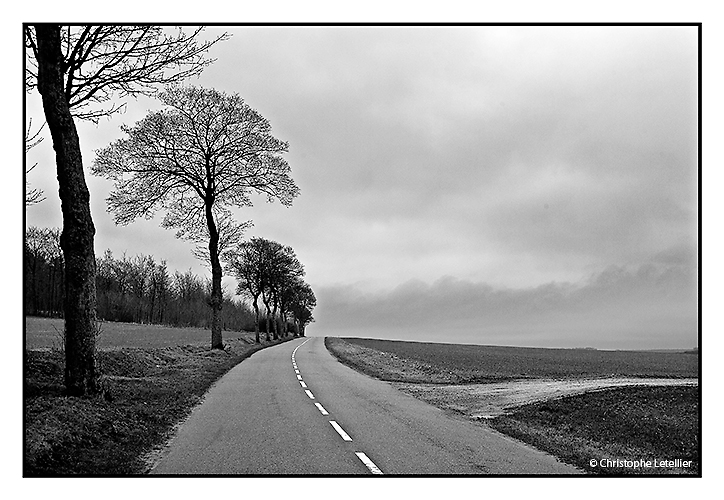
x=386 y=365
x=602 y=430
x=151 y=390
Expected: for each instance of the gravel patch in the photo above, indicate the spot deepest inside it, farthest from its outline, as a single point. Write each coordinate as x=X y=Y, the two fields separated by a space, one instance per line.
x=483 y=401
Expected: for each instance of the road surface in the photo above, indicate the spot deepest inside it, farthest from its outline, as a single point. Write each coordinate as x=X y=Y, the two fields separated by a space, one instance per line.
x=293 y=409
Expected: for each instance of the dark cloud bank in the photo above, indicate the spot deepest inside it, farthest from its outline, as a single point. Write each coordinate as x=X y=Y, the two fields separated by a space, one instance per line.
x=650 y=306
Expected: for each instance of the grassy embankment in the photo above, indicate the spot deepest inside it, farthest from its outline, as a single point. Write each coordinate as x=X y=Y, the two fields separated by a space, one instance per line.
x=154 y=375
x=631 y=423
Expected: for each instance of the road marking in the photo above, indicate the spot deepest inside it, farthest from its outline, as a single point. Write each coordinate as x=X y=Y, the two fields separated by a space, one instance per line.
x=295 y=349
x=369 y=463
x=364 y=458
x=321 y=408
x=341 y=432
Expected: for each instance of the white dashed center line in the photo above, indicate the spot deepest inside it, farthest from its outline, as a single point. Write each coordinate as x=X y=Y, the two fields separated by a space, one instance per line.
x=369 y=463
x=341 y=432
x=364 y=458
x=321 y=408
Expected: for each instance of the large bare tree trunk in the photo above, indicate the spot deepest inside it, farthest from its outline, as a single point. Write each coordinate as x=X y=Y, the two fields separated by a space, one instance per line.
x=275 y=322
x=76 y=240
x=283 y=315
x=268 y=313
x=216 y=300
x=256 y=321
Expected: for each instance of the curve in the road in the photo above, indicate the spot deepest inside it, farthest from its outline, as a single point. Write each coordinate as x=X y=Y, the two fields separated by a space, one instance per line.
x=345 y=437
x=319 y=417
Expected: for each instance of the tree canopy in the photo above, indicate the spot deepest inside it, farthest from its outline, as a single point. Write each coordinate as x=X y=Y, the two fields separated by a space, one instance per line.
x=205 y=148
x=105 y=63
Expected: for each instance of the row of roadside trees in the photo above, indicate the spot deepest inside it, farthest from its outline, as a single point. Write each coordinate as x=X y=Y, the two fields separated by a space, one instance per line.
x=142 y=290
x=271 y=272
x=204 y=153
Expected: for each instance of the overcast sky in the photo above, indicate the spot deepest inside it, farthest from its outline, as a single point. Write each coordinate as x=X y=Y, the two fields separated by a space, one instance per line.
x=492 y=185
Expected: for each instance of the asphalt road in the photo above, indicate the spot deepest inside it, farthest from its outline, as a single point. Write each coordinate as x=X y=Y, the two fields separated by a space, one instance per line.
x=292 y=409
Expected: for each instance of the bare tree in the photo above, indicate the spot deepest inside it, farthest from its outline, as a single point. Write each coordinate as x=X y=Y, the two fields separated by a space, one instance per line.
x=301 y=305
x=79 y=71
x=268 y=270
x=230 y=234
x=204 y=153
x=284 y=270
x=248 y=264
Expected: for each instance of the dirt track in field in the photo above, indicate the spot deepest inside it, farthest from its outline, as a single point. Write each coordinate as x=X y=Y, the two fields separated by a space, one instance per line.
x=490 y=400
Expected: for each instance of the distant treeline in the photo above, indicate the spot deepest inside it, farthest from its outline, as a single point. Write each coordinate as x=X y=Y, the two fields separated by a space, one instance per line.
x=43 y=272
x=137 y=289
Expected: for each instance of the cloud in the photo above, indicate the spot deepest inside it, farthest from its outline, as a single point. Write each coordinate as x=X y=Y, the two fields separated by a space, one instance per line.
x=548 y=152
x=653 y=305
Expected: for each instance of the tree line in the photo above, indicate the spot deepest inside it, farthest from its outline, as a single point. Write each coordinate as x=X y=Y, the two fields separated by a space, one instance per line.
x=204 y=153
x=43 y=272
x=141 y=289
x=270 y=272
